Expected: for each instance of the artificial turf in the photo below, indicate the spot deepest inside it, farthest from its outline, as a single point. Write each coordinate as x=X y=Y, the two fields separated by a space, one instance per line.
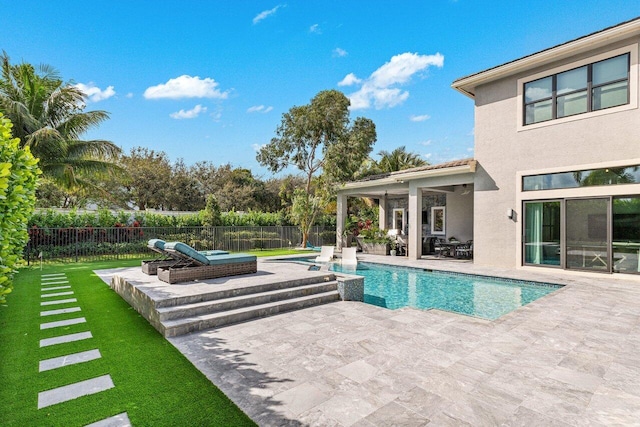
x=154 y=383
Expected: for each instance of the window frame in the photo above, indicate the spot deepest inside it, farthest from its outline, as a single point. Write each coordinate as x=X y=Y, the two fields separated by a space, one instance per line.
x=632 y=88
x=589 y=90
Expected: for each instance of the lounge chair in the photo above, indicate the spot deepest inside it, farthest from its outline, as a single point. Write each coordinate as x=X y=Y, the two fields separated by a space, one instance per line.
x=196 y=266
x=326 y=254
x=166 y=258
x=349 y=257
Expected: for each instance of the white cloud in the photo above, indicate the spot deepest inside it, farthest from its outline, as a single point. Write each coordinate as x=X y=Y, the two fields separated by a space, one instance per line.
x=427 y=155
x=265 y=14
x=379 y=87
x=259 y=109
x=257 y=147
x=186 y=87
x=339 y=52
x=129 y=95
x=315 y=28
x=189 y=114
x=420 y=118
x=94 y=93
x=349 y=79
x=427 y=142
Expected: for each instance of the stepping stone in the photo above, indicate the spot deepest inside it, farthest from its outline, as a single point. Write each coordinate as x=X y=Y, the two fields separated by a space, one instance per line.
x=56 y=288
x=59 y=311
x=59 y=323
x=74 y=391
x=50 y=275
x=59 y=301
x=57 y=294
x=60 y=282
x=65 y=339
x=120 y=420
x=71 y=359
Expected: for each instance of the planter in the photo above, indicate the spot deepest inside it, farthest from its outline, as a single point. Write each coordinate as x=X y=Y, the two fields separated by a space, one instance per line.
x=374 y=248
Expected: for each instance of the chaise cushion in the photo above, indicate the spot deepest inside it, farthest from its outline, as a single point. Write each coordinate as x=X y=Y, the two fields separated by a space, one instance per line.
x=230 y=259
x=188 y=251
x=214 y=252
x=156 y=243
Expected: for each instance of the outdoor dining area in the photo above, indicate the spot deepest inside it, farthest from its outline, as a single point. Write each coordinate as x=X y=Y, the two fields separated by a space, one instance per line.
x=453 y=248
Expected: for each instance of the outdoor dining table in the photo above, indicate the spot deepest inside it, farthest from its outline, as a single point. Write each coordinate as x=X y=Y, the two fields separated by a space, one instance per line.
x=453 y=246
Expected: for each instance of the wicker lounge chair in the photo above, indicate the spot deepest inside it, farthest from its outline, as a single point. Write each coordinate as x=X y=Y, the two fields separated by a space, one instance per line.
x=167 y=259
x=196 y=266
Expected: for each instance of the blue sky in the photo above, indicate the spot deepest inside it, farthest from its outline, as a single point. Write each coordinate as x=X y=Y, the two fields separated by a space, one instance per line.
x=209 y=80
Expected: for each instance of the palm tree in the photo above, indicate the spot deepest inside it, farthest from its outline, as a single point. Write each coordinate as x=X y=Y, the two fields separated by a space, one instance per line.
x=48 y=116
x=399 y=159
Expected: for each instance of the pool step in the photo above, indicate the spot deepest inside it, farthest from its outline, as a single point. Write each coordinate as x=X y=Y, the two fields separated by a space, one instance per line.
x=203 y=321
x=244 y=300
x=240 y=291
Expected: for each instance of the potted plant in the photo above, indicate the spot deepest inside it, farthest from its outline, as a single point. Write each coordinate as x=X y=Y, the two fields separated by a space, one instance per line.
x=374 y=242
x=393 y=246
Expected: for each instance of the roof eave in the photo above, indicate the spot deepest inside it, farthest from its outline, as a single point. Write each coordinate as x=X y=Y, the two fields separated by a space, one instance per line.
x=454 y=170
x=466 y=85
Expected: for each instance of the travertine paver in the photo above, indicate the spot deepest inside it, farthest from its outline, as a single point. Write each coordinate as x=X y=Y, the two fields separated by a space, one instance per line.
x=57 y=294
x=59 y=323
x=60 y=311
x=120 y=420
x=57 y=282
x=71 y=359
x=65 y=339
x=74 y=391
x=569 y=358
x=55 y=288
x=60 y=301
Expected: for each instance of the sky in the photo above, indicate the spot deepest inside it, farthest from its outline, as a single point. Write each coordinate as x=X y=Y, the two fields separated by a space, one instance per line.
x=210 y=80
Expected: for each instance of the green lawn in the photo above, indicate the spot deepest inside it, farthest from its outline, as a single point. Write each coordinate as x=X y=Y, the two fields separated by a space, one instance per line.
x=154 y=383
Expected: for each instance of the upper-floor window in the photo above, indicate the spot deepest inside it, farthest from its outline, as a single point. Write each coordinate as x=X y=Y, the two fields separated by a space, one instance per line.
x=592 y=87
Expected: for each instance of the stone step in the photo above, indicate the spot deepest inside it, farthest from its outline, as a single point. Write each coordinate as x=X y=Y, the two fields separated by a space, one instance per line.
x=238 y=291
x=206 y=321
x=224 y=304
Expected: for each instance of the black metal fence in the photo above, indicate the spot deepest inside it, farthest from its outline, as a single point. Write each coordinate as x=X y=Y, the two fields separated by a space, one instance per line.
x=92 y=243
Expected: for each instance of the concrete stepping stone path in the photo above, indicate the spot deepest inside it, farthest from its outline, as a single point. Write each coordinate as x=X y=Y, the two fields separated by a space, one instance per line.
x=82 y=388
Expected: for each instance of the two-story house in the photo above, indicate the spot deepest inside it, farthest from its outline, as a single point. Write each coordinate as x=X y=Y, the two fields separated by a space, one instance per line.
x=555 y=181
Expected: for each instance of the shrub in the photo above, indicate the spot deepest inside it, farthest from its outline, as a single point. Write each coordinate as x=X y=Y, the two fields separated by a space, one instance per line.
x=18 y=175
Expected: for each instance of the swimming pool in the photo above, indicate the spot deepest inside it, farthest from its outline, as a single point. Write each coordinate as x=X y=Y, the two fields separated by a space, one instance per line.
x=480 y=296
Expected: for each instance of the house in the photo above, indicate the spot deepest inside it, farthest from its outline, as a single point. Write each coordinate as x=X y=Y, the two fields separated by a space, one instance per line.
x=555 y=181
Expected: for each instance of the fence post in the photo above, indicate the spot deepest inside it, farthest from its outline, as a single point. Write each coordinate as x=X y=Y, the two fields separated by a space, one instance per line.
x=76 y=243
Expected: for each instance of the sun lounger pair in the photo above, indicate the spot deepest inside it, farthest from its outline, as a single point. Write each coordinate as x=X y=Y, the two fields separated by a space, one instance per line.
x=166 y=258
x=326 y=254
x=194 y=265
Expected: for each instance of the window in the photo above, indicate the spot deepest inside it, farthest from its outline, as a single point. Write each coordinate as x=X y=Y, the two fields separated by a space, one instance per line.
x=438 y=220
x=582 y=178
x=592 y=87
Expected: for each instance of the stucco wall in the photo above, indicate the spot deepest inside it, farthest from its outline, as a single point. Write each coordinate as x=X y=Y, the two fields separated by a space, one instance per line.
x=502 y=150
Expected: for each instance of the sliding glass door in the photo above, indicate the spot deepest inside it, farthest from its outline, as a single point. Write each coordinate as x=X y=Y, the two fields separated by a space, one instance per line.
x=587 y=234
x=542 y=233
x=593 y=234
x=626 y=235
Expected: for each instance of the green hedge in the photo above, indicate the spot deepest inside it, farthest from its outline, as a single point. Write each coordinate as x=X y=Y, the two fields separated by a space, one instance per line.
x=18 y=175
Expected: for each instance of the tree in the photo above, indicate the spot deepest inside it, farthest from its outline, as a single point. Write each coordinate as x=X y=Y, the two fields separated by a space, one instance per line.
x=49 y=118
x=399 y=159
x=184 y=192
x=149 y=177
x=319 y=139
x=18 y=174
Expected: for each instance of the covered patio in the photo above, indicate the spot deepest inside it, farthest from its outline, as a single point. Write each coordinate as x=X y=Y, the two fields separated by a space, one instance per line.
x=421 y=204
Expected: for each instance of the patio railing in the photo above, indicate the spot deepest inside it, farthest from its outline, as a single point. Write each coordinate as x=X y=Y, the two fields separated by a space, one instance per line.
x=92 y=243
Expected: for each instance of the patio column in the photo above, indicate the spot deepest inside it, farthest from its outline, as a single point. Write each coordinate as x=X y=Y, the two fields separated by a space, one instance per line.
x=341 y=215
x=382 y=212
x=414 y=249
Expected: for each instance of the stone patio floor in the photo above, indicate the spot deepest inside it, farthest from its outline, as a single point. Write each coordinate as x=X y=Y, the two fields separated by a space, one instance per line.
x=569 y=358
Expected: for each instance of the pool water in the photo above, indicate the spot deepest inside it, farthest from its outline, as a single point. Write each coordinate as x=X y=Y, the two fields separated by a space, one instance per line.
x=486 y=297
